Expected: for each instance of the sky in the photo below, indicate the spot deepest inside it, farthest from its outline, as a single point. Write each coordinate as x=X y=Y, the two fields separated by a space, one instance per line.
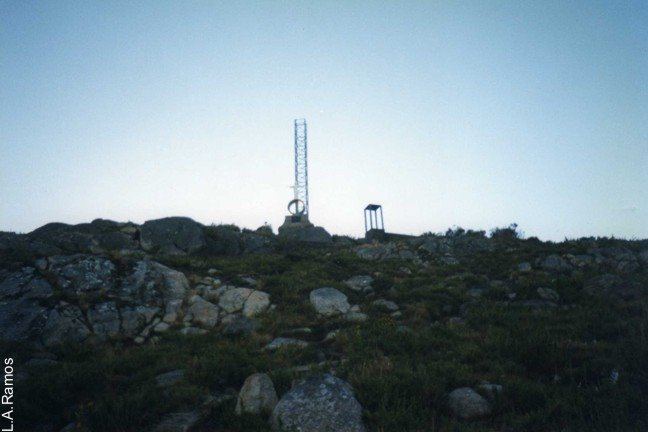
x=476 y=114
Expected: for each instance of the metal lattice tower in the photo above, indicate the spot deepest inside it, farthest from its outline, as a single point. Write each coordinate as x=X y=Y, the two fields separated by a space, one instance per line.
x=301 y=163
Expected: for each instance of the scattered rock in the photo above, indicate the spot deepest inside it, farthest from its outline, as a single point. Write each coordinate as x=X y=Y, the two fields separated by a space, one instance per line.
x=257 y=302
x=281 y=342
x=233 y=300
x=555 y=263
x=257 y=396
x=359 y=282
x=385 y=304
x=317 y=404
x=329 y=301
x=468 y=404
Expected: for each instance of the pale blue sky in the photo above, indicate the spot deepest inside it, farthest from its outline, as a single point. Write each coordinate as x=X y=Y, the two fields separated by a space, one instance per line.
x=475 y=114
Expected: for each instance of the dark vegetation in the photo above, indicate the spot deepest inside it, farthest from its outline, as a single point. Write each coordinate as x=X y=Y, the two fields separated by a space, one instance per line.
x=555 y=364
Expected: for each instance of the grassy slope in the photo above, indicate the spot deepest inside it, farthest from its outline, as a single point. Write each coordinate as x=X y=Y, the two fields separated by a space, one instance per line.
x=554 y=364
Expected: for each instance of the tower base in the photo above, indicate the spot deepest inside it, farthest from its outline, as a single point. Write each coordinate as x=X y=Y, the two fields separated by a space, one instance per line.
x=294 y=222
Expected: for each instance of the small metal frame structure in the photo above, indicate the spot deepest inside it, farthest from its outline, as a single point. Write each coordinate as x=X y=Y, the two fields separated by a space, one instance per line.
x=301 y=163
x=371 y=218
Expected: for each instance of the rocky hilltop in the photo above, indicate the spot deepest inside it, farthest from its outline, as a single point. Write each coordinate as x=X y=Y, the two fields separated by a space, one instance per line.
x=175 y=326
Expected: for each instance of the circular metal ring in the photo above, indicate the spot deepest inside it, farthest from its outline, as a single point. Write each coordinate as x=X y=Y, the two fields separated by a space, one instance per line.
x=299 y=207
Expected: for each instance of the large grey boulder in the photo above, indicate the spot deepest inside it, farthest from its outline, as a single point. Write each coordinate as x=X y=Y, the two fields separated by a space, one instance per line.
x=154 y=284
x=98 y=236
x=172 y=236
x=321 y=403
x=329 y=301
x=257 y=396
x=224 y=240
x=466 y=403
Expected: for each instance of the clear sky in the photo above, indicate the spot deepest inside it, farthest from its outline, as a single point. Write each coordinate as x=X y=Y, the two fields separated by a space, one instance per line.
x=475 y=114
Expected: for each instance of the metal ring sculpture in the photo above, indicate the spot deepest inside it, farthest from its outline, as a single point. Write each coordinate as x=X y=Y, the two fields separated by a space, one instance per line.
x=299 y=206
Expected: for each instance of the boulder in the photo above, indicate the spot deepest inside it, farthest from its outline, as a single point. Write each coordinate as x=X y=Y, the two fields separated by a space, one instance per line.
x=320 y=403
x=329 y=301
x=172 y=236
x=227 y=240
x=202 y=313
x=233 y=300
x=154 y=284
x=257 y=396
x=555 y=263
x=468 y=404
x=257 y=302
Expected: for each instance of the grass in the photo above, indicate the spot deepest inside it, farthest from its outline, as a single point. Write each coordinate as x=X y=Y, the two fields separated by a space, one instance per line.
x=554 y=364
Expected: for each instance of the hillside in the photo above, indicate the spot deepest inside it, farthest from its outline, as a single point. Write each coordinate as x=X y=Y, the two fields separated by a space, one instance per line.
x=175 y=326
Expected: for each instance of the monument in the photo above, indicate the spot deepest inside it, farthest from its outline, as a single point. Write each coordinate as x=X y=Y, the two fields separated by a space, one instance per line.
x=297 y=225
